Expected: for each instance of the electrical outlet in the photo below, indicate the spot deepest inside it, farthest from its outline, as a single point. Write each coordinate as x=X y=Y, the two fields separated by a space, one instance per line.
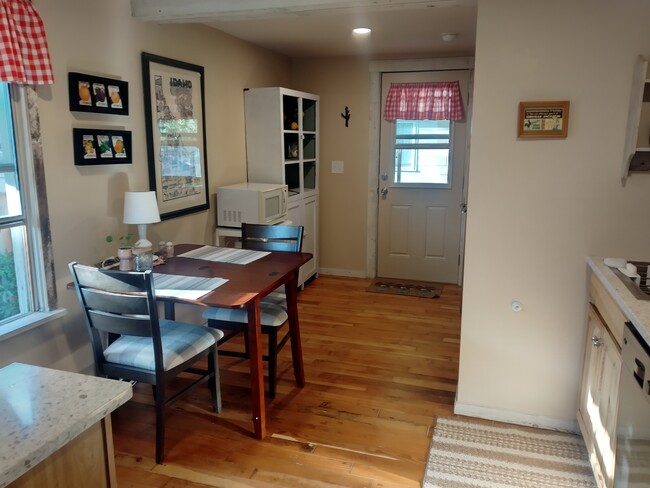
x=337 y=166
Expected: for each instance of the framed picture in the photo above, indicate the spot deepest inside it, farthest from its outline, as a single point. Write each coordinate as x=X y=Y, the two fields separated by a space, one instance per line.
x=89 y=93
x=543 y=119
x=101 y=146
x=175 y=126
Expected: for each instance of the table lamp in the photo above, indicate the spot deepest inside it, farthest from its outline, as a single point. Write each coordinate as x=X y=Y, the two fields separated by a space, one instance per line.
x=141 y=208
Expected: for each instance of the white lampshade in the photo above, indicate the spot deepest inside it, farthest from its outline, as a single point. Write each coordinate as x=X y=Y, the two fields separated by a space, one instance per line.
x=141 y=208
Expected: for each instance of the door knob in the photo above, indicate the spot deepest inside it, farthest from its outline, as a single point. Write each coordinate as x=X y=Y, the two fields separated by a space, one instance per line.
x=596 y=342
x=384 y=192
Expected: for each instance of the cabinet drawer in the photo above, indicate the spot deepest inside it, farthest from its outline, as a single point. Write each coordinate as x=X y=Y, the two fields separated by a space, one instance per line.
x=608 y=309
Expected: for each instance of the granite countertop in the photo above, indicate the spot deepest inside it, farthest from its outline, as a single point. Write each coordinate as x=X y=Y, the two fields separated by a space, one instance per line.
x=43 y=409
x=637 y=311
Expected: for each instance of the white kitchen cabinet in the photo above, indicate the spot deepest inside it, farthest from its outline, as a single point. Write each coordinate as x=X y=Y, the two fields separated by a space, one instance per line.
x=282 y=142
x=637 y=143
x=598 y=398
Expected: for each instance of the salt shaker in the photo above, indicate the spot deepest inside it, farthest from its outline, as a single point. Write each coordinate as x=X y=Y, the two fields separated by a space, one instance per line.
x=169 y=250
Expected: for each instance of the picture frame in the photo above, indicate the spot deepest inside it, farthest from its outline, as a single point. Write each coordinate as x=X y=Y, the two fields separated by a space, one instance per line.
x=88 y=93
x=101 y=146
x=543 y=119
x=175 y=131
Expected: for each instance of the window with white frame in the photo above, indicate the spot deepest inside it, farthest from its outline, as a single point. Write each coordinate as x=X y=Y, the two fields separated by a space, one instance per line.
x=422 y=152
x=23 y=280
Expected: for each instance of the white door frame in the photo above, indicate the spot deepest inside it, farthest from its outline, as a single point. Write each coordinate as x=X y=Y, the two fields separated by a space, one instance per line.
x=376 y=68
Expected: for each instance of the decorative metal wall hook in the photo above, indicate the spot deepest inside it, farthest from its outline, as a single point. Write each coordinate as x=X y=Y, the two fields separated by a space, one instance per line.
x=346 y=115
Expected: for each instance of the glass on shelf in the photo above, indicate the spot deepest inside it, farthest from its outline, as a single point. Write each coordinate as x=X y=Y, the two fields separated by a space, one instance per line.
x=309 y=175
x=292 y=178
x=290 y=112
x=291 y=147
x=308 y=115
x=309 y=146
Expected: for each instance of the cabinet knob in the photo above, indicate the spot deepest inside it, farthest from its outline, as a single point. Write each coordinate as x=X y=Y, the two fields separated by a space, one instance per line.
x=596 y=341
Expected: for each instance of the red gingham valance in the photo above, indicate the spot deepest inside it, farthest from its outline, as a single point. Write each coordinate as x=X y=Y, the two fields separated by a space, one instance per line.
x=424 y=101
x=24 y=57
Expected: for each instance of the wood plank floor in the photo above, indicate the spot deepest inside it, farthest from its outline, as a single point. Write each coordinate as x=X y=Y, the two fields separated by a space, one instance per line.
x=379 y=369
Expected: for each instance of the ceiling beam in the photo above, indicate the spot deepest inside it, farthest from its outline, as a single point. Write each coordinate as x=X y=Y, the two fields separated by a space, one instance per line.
x=167 y=11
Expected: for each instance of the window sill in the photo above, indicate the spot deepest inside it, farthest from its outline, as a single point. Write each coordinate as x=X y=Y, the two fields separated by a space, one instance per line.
x=28 y=322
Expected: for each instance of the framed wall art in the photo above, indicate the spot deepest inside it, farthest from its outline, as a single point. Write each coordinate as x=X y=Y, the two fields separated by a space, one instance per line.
x=101 y=146
x=543 y=119
x=175 y=126
x=88 y=93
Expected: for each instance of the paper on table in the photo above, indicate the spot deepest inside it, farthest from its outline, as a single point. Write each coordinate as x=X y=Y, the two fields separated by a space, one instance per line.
x=187 y=287
x=225 y=254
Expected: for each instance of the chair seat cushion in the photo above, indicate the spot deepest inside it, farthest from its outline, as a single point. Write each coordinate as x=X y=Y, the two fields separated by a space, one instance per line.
x=180 y=341
x=273 y=312
x=276 y=298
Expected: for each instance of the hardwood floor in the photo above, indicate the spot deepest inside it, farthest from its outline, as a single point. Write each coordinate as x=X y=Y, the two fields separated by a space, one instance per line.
x=379 y=369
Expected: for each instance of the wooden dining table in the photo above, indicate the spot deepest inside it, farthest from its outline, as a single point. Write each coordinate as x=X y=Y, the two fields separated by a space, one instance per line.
x=247 y=284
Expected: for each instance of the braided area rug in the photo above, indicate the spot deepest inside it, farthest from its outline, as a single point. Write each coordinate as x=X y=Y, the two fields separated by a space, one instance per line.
x=467 y=454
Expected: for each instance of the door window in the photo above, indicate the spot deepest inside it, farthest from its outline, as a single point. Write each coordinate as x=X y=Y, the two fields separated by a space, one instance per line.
x=422 y=153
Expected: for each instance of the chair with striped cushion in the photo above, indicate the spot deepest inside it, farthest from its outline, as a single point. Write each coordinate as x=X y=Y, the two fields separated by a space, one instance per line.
x=130 y=342
x=273 y=307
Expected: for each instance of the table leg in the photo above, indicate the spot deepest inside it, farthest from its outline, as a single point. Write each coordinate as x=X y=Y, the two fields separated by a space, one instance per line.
x=291 y=291
x=257 y=371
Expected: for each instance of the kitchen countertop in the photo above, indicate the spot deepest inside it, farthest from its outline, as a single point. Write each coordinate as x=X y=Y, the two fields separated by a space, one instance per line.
x=43 y=409
x=637 y=311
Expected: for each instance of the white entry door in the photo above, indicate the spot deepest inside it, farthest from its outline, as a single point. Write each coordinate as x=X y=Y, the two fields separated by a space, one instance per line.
x=421 y=172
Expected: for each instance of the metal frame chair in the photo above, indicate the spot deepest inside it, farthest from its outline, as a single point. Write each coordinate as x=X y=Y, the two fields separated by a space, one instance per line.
x=130 y=342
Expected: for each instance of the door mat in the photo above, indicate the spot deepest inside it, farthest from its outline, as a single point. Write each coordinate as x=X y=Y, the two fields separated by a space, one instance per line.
x=407 y=288
x=471 y=453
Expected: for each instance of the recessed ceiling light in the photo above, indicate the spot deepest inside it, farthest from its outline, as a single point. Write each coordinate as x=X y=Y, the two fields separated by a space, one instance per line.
x=448 y=36
x=361 y=30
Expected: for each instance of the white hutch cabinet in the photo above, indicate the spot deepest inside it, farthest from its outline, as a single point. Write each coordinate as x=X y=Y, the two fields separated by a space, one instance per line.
x=282 y=147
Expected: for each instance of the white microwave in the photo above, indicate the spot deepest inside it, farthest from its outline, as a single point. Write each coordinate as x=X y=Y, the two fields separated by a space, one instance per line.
x=253 y=203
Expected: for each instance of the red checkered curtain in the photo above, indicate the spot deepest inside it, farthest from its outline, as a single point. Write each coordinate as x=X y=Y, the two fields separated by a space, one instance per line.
x=424 y=101
x=24 y=57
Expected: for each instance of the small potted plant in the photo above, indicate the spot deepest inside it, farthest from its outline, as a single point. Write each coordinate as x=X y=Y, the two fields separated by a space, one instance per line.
x=124 y=252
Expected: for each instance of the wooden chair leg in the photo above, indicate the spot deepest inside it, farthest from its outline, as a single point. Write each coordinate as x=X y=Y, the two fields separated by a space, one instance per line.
x=273 y=361
x=160 y=422
x=214 y=383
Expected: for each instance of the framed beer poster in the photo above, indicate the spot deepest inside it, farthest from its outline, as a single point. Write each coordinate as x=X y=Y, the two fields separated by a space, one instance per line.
x=543 y=119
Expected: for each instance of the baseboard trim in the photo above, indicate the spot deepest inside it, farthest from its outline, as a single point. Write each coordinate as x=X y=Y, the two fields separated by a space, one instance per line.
x=563 y=425
x=342 y=272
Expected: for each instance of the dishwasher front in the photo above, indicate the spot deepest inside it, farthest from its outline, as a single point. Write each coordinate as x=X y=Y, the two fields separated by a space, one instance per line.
x=633 y=421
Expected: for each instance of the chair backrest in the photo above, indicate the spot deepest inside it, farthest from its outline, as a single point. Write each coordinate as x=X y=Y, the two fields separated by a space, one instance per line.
x=272 y=237
x=117 y=303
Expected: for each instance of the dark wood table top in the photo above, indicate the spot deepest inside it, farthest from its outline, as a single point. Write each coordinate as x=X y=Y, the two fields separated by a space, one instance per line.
x=245 y=282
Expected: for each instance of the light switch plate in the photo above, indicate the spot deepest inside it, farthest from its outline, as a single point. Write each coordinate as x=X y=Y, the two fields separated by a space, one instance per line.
x=337 y=166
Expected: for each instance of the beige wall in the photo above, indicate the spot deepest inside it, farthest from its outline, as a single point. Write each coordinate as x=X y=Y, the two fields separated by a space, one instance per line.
x=538 y=208
x=99 y=37
x=340 y=82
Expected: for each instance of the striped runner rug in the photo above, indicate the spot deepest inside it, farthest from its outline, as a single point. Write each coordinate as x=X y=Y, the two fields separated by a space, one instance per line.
x=468 y=453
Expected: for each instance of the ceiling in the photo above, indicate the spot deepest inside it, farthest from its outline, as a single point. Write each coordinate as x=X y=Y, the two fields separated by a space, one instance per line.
x=315 y=28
